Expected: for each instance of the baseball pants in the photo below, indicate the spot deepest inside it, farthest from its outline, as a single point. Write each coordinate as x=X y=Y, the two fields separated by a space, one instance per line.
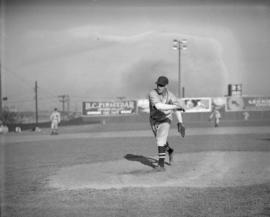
x=161 y=132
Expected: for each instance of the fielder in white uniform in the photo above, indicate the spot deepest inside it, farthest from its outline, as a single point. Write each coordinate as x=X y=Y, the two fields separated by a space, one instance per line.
x=55 y=120
x=162 y=105
x=215 y=114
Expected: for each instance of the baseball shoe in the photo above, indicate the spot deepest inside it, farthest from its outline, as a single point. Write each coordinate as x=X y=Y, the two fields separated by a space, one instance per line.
x=170 y=152
x=159 y=169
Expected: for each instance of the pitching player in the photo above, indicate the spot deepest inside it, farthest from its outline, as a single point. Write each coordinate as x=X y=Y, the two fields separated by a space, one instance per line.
x=55 y=120
x=162 y=105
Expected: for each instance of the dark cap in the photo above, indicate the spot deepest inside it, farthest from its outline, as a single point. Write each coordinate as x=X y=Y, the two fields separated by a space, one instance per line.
x=162 y=80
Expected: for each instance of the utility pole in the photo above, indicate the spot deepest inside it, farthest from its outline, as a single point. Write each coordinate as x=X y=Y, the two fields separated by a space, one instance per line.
x=64 y=99
x=36 y=100
x=68 y=104
x=1 y=106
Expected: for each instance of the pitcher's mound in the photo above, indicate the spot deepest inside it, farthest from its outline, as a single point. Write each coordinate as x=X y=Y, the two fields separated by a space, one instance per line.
x=203 y=169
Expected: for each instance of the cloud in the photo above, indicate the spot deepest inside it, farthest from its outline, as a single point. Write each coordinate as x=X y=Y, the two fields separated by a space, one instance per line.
x=129 y=65
x=95 y=32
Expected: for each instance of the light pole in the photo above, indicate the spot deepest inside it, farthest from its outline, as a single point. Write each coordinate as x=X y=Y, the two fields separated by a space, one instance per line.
x=179 y=45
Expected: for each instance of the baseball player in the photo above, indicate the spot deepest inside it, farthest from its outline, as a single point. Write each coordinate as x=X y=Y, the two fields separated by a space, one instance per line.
x=216 y=116
x=55 y=120
x=163 y=104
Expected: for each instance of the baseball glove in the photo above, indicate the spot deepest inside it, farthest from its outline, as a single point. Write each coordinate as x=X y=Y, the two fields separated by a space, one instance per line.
x=181 y=129
x=181 y=109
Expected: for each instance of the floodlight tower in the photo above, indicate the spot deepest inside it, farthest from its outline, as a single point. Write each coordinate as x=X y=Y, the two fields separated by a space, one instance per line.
x=179 y=45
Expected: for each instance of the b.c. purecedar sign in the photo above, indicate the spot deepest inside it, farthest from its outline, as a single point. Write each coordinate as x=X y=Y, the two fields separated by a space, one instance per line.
x=97 y=108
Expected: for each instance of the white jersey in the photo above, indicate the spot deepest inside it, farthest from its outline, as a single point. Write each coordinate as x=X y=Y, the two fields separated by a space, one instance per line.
x=167 y=98
x=55 y=116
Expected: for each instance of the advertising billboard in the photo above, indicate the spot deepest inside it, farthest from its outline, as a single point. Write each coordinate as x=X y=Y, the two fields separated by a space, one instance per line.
x=248 y=104
x=143 y=105
x=199 y=104
x=109 y=108
x=202 y=104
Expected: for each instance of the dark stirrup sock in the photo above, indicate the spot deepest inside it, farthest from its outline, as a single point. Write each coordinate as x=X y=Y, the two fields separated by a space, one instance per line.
x=168 y=148
x=161 y=155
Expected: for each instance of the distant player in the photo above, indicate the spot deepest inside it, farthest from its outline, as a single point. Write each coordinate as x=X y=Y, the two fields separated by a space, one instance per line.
x=162 y=105
x=55 y=120
x=216 y=116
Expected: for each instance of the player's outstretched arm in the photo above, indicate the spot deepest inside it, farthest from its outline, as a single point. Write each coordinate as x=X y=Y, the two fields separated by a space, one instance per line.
x=163 y=106
x=179 y=116
x=181 y=129
x=180 y=126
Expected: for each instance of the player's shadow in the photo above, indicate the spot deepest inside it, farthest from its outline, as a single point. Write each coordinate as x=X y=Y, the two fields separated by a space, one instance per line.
x=265 y=139
x=148 y=161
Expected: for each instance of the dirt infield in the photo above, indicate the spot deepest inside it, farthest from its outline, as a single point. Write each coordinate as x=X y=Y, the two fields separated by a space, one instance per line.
x=220 y=172
x=205 y=169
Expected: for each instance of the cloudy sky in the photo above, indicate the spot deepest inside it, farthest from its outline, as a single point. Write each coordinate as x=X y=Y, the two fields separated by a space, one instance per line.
x=103 y=49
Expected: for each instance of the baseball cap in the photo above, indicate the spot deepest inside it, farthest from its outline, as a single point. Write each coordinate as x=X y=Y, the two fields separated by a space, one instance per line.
x=162 y=80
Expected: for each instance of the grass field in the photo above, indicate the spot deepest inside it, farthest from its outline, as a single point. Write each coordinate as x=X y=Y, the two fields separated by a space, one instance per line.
x=30 y=160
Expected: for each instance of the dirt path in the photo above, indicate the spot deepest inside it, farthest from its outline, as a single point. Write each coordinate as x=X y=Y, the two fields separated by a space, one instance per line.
x=203 y=169
x=15 y=138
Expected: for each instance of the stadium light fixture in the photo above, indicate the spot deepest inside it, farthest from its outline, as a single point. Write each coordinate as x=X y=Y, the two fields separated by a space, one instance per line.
x=179 y=45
